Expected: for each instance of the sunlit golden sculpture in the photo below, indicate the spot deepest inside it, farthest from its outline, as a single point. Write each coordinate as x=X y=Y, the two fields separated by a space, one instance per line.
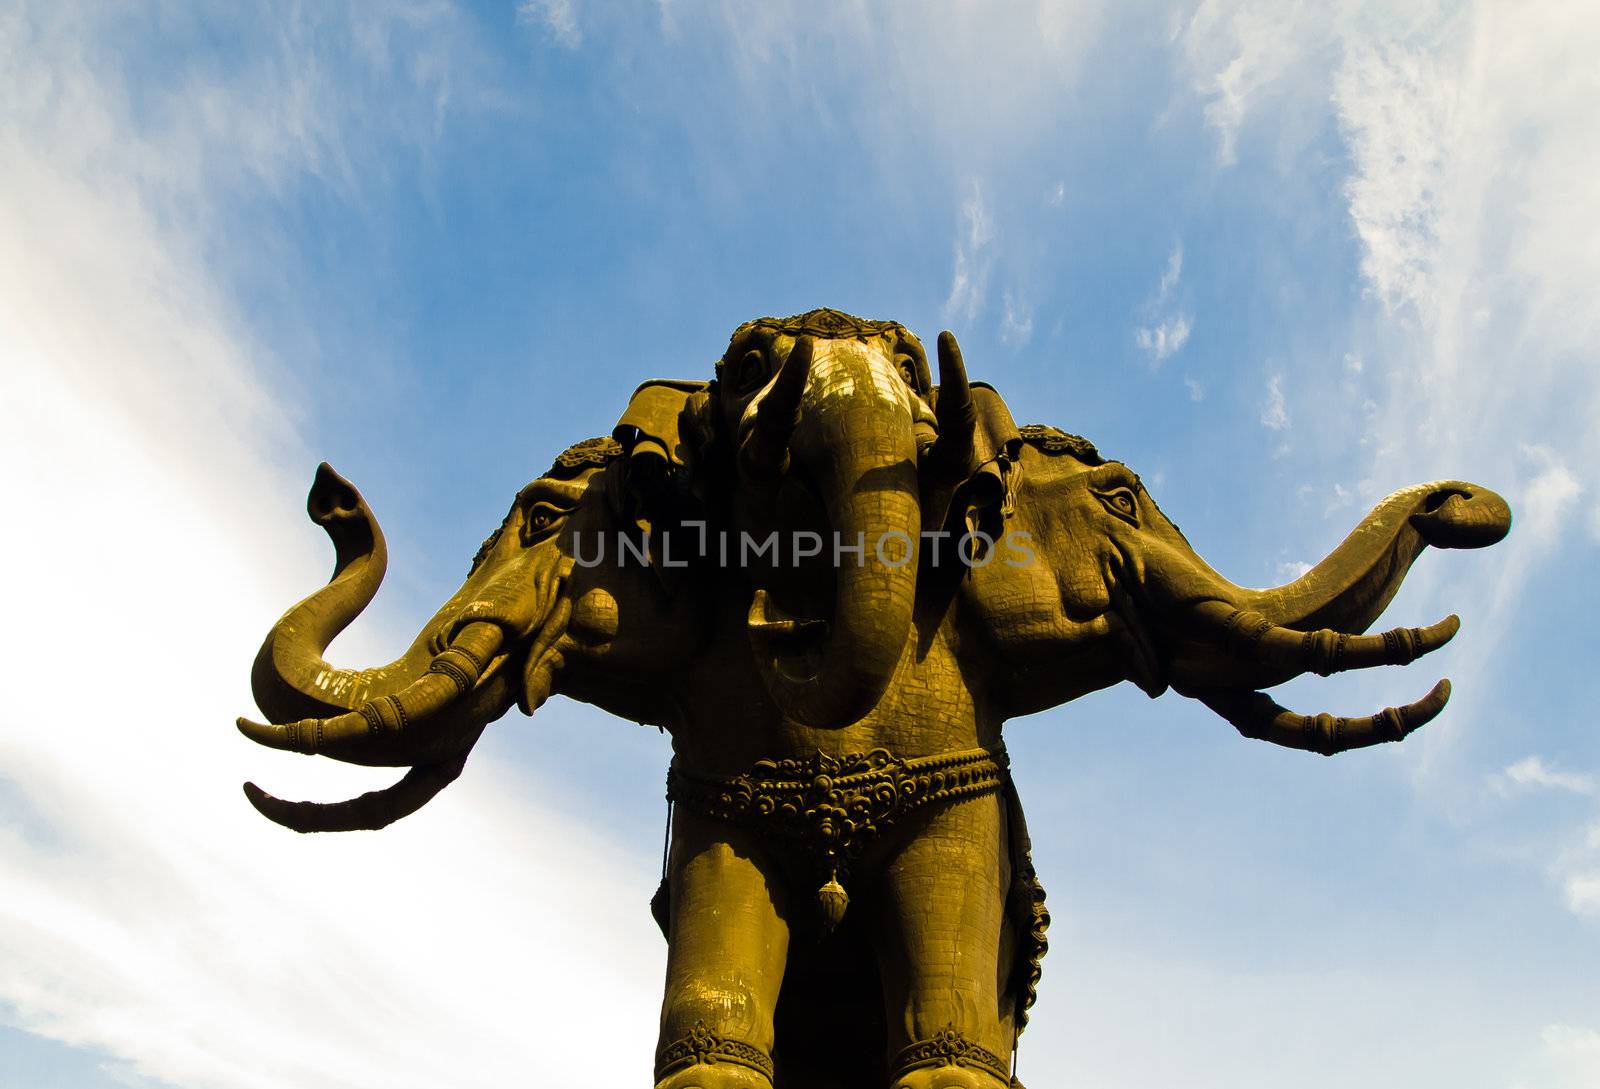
x=833 y=582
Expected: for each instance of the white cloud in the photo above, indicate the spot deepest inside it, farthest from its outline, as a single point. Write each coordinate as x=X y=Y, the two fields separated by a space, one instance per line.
x=1275 y=411
x=1290 y=570
x=1581 y=893
x=1170 y=275
x=1532 y=771
x=149 y=914
x=1058 y=195
x=1340 y=498
x=1575 y=1052
x=1472 y=148
x=1548 y=498
x=976 y=77
x=560 y=20
x=1165 y=339
x=973 y=259
x=1394 y=200
x=1196 y=388
x=1240 y=55
x=1568 y=1058
x=1577 y=869
x=1166 y=335
x=1016 y=323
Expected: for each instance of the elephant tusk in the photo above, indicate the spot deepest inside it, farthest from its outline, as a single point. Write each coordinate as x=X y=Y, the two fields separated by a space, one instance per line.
x=1252 y=637
x=951 y=454
x=764 y=453
x=1256 y=715
x=368 y=812
x=765 y=621
x=452 y=673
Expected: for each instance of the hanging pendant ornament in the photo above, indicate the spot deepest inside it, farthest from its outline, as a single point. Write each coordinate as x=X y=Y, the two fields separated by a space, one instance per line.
x=832 y=900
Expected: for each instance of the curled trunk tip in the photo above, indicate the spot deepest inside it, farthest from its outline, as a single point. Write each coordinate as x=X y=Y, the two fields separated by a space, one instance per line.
x=1461 y=515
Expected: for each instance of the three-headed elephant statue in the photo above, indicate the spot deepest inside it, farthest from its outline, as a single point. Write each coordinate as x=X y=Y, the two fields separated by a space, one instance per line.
x=833 y=582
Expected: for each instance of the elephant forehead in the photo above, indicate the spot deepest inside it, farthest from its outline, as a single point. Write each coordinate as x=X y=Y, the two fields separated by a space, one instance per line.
x=824 y=322
x=844 y=371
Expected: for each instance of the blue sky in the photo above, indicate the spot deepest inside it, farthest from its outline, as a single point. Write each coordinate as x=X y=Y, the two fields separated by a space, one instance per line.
x=1280 y=258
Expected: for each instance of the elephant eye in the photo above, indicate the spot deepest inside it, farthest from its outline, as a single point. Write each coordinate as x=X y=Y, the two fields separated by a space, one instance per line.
x=1122 y=503
x=752 y=373
x=908 y=369
x=538 y=521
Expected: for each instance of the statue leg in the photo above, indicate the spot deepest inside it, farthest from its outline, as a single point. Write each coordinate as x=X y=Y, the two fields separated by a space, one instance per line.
x=945 y=968
x=728 y=942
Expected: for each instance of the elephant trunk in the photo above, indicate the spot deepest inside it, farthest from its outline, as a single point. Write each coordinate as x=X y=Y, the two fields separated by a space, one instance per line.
x=1352 y=586
x=1229 y=636
x=856 y=446
x=291 y=679
x=452 y=674
x=1232 y=641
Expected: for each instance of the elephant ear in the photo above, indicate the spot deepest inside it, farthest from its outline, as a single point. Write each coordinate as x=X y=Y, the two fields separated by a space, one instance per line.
x=659 y=445
x=650 y=426
x=987 y=497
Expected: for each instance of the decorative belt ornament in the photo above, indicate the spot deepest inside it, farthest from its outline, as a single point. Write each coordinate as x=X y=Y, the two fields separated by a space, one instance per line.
x=833 y=806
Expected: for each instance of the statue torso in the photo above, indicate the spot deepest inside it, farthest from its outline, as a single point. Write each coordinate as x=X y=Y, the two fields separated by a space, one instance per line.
x=937 y=702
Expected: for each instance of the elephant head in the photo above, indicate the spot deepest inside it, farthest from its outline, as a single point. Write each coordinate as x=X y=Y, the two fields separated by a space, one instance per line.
x=826 y=423
x=533 y=617
x=1093 y=584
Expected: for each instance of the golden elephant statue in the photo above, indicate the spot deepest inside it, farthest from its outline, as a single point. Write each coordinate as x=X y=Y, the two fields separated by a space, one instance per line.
x=833 y=582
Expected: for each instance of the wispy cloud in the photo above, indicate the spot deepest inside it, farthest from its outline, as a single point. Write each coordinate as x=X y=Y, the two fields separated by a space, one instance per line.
x=973 y=259
x=560 y=20
x=1532 y=772
x=1575 y=1053
x=1577 y=868
x=1240 y=54
x=1581 y=893
x=1164 y=340
x=1394 y=200
x=1171 y=274
x=1568 y=1057
x=1548 y=497
x=1464 y=195
x=1016 y=322
x=1289 y=570
x=1169 y=329
x=1275 y=410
